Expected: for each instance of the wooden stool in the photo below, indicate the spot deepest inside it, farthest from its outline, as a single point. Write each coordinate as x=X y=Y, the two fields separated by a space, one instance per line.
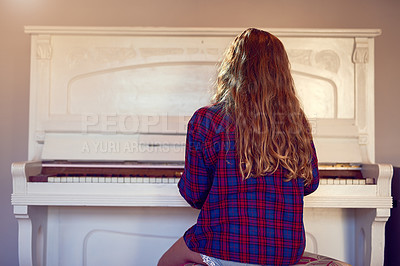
x=308 y=259
x=319 y=260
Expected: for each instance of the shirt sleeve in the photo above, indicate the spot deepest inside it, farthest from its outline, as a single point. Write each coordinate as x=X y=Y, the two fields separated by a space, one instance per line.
x=310 y=188
x=196 y=179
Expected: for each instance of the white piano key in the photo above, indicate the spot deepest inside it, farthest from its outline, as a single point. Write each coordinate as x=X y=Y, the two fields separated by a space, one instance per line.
x=63 y=179
x=82 y=179
x=362 y=182
x=336 y=181
x=349 y=181
x=69 y=179
x=120 y=180
x=323 y=181
x=369 y=181
x=102 y=180
x=88 y=179
x=342 y=181
x=95 y=180
x=126 y=179
x=152 y=180
x=50 y=179
x=330 y=181
x=140 y=179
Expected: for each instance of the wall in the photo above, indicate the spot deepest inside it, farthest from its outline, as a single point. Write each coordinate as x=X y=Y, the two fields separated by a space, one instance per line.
x=15 y=56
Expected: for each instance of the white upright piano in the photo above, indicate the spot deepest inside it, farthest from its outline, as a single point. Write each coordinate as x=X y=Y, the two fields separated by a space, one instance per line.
x=108 y=115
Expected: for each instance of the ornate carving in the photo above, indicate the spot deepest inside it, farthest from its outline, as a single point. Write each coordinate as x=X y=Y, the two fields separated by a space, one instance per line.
x=193 y=50
x=361 y=54
x=213 y=51
x=328 y=60
x=44 y=48
x=100 y=55
x=325 y=59
x=300 y=56
x=148 y=52
x=77 y=56
x=120 y=54
x=111 y=54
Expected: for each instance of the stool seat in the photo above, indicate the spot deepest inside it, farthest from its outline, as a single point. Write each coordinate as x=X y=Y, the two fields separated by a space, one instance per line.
x=308 y=258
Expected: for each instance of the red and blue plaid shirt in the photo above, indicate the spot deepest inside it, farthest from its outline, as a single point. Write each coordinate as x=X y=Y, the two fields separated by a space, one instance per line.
x=257 y=220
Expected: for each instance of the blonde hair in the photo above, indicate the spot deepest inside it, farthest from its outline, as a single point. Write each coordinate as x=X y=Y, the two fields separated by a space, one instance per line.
x=256 y=87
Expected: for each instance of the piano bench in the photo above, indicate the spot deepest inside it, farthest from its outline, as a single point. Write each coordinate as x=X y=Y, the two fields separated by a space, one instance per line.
x=307 y=259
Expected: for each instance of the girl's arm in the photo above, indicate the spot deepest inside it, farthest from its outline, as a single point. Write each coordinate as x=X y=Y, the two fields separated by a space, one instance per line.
x=315 y=182
x=196 y=180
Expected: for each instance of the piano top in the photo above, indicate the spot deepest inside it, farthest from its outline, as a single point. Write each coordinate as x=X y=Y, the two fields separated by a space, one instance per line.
x=126 y=94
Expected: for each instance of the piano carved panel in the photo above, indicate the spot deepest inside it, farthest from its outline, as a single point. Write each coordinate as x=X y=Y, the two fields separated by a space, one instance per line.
x=138 y=75
x=323 y=73
x=114 y=77
x=150 y=89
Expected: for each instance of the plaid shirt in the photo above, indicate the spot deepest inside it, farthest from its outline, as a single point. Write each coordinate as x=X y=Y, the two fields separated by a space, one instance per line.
x=257 y=220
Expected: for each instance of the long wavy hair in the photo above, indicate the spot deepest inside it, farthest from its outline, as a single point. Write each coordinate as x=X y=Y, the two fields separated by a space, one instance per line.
x=256 y=87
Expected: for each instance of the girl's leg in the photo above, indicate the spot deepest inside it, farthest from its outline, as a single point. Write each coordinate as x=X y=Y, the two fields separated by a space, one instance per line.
x=179 y=254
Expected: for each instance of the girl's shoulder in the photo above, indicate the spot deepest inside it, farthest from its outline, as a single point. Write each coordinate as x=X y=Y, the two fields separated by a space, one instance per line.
x=214 y=111
x=211 y=116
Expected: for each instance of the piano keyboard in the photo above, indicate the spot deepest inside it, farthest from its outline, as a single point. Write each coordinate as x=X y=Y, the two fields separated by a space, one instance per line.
x=343 y=174
x=175 y=180
x=88 y=179
x=346 y=181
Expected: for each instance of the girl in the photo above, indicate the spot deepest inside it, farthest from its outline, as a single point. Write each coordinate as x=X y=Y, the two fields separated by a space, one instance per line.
x=249 y=162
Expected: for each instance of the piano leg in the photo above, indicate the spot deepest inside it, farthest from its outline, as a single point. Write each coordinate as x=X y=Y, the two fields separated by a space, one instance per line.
x=370 y=236
x=31 y=234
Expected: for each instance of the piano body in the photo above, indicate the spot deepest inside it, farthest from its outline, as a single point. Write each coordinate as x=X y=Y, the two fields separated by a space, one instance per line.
x=108 y=115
